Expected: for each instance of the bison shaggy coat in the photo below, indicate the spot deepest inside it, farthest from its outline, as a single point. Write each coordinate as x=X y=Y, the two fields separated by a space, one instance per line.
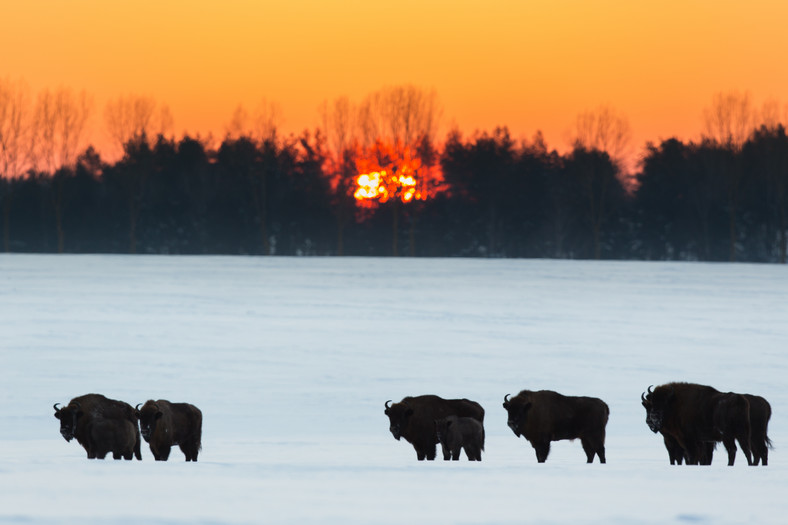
x=465 y=433
x=414 y=418
x=545 y=416
x=166 y=424
x=77 y=420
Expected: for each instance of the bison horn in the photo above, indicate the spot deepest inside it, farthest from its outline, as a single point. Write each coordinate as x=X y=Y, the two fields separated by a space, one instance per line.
x=56 y=408
x=650 y=388
x=137 y=407
x=386 y=404
x=506 y=398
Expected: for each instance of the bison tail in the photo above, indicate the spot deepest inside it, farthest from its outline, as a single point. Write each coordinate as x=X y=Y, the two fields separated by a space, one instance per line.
x=137 y=451
x=769 y=442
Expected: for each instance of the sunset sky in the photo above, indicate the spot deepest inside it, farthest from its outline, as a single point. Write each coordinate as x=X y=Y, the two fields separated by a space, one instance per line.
x=525 y=64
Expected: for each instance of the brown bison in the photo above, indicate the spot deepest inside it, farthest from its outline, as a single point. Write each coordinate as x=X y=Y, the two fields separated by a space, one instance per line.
x=544 y=416
x=760 y=413
x=464 y=433
x=118 y=436
x=97 y=423
x=698 y=416
x=165 y=424
x=414 y=418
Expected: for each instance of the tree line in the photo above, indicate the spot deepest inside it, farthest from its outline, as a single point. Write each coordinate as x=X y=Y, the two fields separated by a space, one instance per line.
x=496 y=198
x=722 y=198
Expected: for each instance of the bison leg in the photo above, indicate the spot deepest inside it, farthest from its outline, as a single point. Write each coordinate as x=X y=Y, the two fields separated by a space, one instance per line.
x=160 y=454
x=473 y=452
x=600 y=452
x=675 y=451
x=137 y=448
x=591 y=450
x=446 y=451
x=431 y=452
x=744 y=443
x=542 y=449
x=189 y=451
x=730 y=447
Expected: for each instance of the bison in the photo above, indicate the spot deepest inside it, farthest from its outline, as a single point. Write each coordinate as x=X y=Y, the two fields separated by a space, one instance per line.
x=455 y=433
x=118 y=436
x=760 y=413
x=544 y=416
x=698 y=416
x=165 y=424
x=77 y=421
x=413 y=418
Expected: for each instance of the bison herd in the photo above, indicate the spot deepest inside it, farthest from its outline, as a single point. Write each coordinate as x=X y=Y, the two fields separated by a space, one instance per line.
x=102 y=425
x=692 y=419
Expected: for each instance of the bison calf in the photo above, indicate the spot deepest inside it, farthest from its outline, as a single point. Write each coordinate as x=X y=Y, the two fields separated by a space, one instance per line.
x=113 y=435
x=457 y=433
x=545 y=416
x=164 y=424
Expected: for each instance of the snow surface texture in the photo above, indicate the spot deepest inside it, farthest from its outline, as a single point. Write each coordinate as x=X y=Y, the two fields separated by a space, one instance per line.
x=291 y=360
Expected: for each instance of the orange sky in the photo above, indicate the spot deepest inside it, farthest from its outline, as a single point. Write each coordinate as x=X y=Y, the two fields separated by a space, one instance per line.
x=525 y=64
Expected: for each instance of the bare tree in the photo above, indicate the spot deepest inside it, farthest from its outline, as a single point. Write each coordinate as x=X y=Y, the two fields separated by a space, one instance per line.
x=339 y=126
x=395 y=123
x=239 y=124
x=730 y=119
x=728 y=122
x=61 y=118
x=604 y=129
x=399 y=115
x=129 y=118
x=267 y=119
x=16 y=142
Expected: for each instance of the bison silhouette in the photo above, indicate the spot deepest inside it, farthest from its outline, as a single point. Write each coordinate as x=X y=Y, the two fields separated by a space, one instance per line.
x=414 y=418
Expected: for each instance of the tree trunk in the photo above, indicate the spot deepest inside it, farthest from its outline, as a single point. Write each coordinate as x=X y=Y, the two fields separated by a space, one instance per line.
x=58 y=205
x=412 y=235
x=783 y=239
x=263 y=209
x=7 y=221
x=132 y=225
x=394 y=227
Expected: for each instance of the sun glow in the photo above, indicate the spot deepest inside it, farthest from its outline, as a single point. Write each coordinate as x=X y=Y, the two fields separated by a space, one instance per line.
x=389 y=176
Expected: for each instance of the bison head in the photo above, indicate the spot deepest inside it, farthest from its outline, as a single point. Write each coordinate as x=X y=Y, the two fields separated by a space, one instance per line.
x=68 y=419
x=398 y=414
x=149 y=416
x=517 y=408
x=442 y=428
x=656 y=402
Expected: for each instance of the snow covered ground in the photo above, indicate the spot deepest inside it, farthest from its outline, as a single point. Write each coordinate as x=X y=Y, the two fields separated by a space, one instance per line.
x=291 y=360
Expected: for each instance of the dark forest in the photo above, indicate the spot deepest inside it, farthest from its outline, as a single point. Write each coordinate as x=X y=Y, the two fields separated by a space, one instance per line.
x=488 y=196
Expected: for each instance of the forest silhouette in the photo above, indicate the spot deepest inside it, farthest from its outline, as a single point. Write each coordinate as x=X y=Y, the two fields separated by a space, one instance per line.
x=722 y=198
